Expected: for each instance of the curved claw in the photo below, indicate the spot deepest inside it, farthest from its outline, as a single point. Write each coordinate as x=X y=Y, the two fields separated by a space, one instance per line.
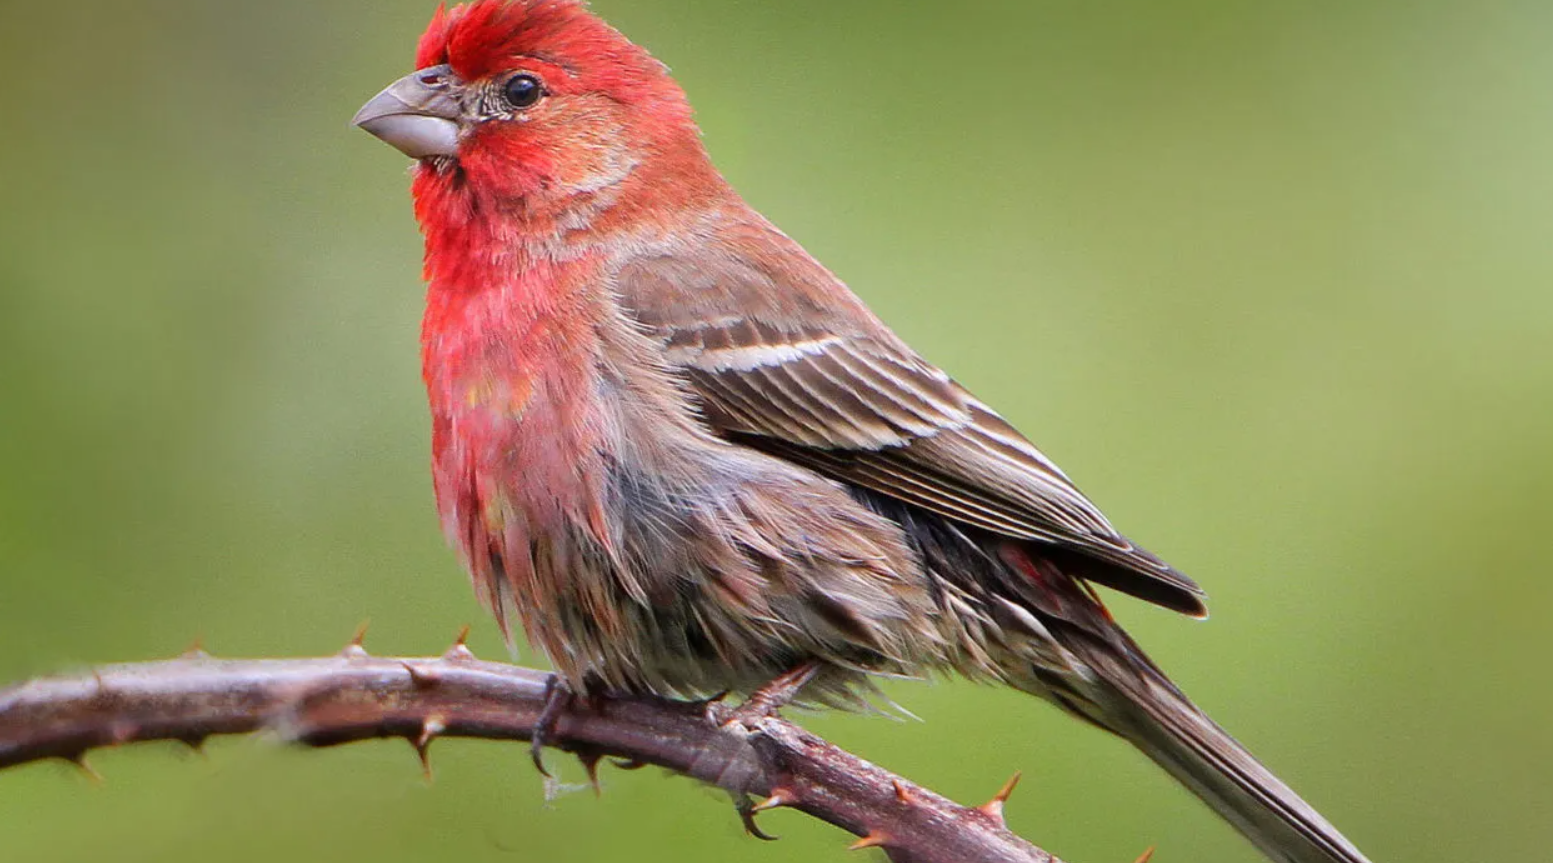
x=747 y=812
x=557 y=698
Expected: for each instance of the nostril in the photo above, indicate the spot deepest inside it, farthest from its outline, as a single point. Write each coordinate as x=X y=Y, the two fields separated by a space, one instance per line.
x=432 y=79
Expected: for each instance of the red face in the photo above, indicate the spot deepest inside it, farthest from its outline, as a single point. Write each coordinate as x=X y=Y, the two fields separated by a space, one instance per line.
x=529 y=99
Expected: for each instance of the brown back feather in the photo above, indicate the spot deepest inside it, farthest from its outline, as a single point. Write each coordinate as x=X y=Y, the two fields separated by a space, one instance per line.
x=784 y=357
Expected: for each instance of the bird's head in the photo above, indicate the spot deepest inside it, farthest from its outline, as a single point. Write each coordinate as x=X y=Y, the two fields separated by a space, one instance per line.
x=533 y=100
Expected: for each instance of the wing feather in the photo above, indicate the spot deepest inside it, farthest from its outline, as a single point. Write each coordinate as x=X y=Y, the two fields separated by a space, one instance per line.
x=784 y=358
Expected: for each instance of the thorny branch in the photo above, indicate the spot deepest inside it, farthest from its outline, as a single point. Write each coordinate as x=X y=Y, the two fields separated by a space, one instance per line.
x=353 y=696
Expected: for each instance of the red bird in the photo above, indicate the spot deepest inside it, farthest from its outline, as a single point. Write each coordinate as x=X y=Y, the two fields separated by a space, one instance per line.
x=686 y=458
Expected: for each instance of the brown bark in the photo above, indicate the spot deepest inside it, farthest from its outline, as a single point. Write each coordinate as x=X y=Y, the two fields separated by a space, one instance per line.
x=353 y=696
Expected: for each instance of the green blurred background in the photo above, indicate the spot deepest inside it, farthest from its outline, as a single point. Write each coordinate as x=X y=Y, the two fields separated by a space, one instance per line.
x=1274 y=282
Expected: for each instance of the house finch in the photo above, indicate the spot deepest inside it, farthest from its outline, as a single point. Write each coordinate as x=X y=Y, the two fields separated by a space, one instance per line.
x=686 y=458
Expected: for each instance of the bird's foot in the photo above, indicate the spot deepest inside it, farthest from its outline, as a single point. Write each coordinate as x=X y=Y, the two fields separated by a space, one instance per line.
x=558 y=697
x=765 y=702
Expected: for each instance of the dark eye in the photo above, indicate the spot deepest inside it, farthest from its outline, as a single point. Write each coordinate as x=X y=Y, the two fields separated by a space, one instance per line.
x=523 y=91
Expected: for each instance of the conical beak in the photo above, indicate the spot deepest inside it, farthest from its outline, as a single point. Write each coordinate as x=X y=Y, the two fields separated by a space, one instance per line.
x=417 y=114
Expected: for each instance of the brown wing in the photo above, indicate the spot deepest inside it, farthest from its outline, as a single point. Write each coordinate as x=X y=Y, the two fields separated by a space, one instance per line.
x=785 y=358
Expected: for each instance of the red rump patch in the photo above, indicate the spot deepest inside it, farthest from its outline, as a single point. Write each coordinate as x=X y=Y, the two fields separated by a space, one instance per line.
x=482 y=38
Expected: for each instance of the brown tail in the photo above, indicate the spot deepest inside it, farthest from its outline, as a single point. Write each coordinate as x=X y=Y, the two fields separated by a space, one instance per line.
x=1139 y=703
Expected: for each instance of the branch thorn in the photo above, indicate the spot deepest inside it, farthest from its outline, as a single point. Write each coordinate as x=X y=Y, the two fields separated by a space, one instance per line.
x=430 y=728
x=904 y=794
x=874 y=839
x=779 y=797
x=1146 y=855
x=355 y=650
x=195 y=650
x=79 y=760
x=460 y=651
x=423 y=678
x=424 y=754
x=994 y=808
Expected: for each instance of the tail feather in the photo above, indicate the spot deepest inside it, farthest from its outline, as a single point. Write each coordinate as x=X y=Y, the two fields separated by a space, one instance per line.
x=1150 y=712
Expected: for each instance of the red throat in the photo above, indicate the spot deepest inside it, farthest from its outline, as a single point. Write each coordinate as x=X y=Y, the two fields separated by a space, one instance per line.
x=509 y=359
x=515 y=246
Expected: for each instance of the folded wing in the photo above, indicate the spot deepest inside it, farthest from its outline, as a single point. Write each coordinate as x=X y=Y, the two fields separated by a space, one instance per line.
x=784 y=358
